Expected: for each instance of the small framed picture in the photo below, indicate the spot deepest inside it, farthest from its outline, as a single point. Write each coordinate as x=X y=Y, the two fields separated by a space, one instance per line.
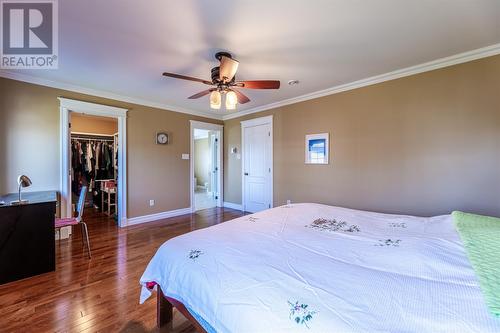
x=317 y=148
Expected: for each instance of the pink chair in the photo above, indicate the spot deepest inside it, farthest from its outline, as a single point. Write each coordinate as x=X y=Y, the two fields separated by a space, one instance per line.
x=71 y=221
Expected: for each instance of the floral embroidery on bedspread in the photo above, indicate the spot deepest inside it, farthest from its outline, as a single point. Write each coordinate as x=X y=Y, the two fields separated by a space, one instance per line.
x=300 y=313
x=397 y=225
x=194 y=254
x=388 y=242
x=333 y=225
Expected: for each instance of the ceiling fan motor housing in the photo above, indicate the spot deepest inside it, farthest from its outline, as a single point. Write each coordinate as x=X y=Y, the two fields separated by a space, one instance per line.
x=219 y=55
x=216 y=76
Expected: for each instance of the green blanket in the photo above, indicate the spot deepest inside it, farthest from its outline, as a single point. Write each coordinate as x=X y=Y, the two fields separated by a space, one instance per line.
x=481 y=237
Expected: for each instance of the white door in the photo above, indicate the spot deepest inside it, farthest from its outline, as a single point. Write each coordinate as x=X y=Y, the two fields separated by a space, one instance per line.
x=257 y=164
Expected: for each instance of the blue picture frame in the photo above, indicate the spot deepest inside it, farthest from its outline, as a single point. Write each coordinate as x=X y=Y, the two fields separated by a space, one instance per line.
x=317 y=148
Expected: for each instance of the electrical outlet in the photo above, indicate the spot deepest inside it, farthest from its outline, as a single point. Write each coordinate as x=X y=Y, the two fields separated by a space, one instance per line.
x=288 y=202
x=151 y=203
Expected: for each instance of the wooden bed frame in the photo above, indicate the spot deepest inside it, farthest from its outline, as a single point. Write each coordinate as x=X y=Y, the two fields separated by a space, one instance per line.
x=164 y=311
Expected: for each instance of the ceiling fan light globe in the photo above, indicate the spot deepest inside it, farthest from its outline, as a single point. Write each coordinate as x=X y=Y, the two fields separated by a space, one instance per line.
x=215 y=106
x=215 y=100
x=231 y=100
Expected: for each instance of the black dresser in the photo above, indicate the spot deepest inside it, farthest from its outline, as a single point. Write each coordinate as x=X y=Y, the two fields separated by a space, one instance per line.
x=27 y=244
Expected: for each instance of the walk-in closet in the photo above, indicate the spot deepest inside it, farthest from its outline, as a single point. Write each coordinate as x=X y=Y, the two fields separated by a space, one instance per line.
x=94 y=162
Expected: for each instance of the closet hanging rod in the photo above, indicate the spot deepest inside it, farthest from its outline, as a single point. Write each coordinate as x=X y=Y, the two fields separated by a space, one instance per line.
x=91 y=139
x=91 y=134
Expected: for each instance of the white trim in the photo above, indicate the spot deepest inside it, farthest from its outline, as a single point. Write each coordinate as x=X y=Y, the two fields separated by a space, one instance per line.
x=158 y=216
x=64 y=170
x=122 y=171
x=18 y=76
x=211 y=127
x=206 y=126
x=459 y=58
x=233 y=205
x=92 y=108
x=250 y=123
x=257 y=121
x=456 y=59
x=66 y=107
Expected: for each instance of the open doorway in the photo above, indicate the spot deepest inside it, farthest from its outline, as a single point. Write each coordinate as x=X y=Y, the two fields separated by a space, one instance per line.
x=206 y=166
x=69 y=109
x=94 y=163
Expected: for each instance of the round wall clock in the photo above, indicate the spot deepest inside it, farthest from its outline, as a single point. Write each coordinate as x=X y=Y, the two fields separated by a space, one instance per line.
x=161 y=138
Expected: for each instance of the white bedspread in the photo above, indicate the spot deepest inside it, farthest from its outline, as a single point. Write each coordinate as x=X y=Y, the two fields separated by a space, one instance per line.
x=278 y=271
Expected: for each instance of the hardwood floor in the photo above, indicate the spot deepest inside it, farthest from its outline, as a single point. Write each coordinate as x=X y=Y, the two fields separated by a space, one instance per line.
x=101 y=294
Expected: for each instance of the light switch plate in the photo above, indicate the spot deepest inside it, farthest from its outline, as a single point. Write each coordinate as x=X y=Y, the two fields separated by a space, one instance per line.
x=185 y=156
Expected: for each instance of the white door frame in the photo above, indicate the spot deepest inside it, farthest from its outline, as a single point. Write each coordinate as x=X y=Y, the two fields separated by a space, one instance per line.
x=210 y=127
x=70 y=105
x=214 y=158
x=251 y=123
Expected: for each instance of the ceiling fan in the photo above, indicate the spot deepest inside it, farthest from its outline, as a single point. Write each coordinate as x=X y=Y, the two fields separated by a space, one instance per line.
x=224 y=82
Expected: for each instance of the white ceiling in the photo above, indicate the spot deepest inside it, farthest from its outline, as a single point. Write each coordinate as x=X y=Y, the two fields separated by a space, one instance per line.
x=123 y=46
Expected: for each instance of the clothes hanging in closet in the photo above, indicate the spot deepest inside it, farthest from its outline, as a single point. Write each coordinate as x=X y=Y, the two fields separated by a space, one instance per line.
x=90 y=161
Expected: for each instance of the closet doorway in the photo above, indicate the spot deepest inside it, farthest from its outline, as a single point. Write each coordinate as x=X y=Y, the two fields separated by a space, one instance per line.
x=206 y=166
x=101 y=130
x=94 y=162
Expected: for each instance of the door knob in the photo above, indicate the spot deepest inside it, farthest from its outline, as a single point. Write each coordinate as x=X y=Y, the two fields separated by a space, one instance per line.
x=246 y=173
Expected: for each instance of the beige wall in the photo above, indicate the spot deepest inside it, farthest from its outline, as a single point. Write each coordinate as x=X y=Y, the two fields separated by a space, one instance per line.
x=29 y=137
x=201 y=160
x=424 y=145
x=92 y=124
x=29 y=143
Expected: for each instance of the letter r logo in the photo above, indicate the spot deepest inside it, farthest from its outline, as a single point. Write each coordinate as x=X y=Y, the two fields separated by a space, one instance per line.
x=27 y=27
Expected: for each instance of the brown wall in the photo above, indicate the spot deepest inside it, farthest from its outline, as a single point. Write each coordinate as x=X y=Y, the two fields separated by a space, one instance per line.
x=423 y=145
x=29 y=143
x=91 y=124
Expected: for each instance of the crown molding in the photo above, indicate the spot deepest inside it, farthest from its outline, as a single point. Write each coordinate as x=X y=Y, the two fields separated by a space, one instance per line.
x=456 y=59
x=102 y=93
x=91 y=108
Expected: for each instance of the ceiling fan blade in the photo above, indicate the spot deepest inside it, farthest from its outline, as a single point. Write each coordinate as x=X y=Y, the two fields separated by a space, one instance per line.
x=189 y=78
x=201 y=94
x=242 y=98
x=228 y=68
x=259 y=84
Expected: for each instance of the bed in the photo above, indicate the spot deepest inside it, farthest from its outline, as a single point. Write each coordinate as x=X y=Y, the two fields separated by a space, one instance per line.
x=311 y=267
